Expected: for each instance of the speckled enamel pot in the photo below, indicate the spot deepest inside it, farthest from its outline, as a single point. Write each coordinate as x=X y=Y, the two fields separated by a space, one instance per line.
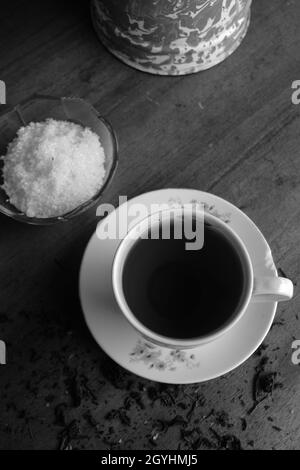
x=171 y=37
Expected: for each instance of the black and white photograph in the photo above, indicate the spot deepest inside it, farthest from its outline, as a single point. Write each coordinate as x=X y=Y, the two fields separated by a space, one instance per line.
x=149 y=228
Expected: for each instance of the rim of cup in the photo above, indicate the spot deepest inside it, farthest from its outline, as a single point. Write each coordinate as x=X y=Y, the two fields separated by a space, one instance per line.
x=129 y=241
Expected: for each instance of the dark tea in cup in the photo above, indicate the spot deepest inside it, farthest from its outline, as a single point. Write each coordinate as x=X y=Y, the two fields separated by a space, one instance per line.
x=183 y=293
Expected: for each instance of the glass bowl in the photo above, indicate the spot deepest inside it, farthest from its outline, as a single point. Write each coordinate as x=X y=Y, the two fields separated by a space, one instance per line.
x=41 y=107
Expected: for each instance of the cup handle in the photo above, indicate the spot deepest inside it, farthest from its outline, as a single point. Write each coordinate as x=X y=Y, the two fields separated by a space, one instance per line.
x=272 y=289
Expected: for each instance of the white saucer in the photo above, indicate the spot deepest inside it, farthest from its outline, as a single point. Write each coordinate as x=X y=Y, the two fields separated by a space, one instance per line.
x=124 y=345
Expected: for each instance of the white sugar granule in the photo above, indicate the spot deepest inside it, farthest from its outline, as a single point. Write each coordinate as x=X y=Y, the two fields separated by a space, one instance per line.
x=52 y=167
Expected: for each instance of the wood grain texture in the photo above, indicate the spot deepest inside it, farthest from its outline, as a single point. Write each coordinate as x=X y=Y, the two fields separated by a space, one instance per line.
x=231 y=130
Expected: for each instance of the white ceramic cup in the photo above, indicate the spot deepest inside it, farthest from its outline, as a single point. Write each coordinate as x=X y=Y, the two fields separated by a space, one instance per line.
x=265 y=289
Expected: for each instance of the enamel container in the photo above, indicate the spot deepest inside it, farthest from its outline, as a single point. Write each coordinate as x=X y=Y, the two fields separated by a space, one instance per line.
x=171 y=37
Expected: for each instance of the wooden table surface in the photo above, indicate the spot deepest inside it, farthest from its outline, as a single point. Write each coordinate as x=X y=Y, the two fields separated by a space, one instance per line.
x=232 y=131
